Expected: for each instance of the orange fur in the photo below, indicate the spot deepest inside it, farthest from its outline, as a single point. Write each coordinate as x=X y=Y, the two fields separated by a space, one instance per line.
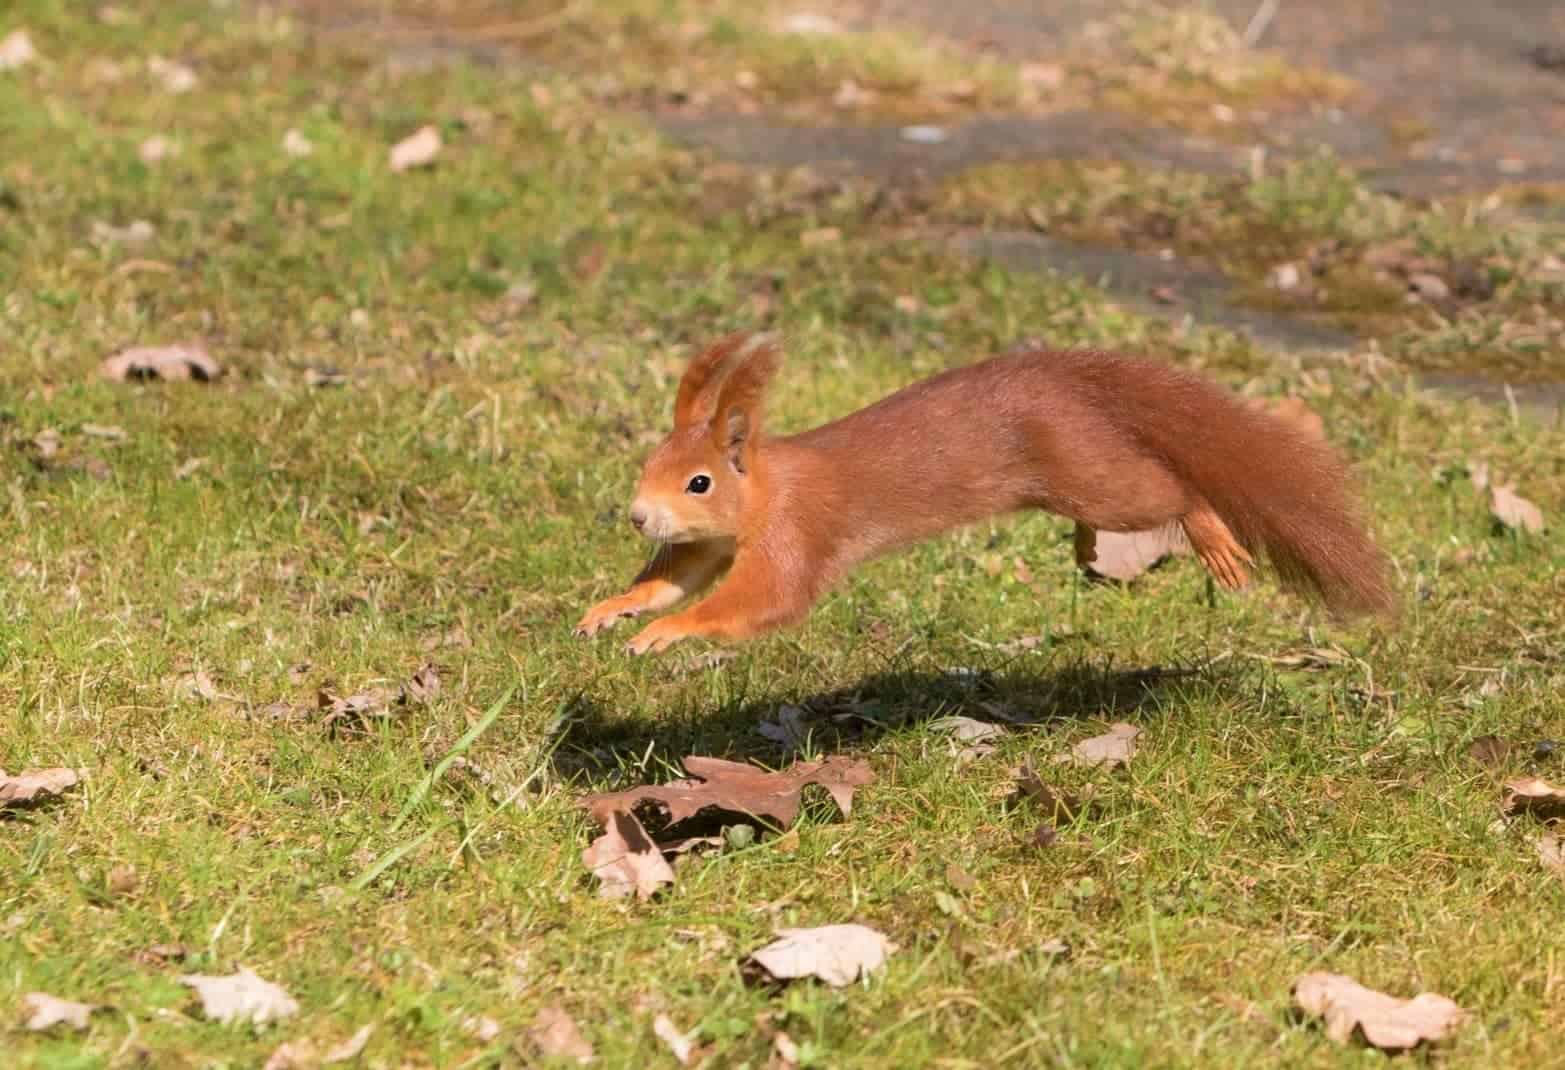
x=1113 y=443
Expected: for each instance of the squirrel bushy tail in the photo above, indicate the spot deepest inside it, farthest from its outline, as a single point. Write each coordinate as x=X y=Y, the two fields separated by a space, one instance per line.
x=1283 y=491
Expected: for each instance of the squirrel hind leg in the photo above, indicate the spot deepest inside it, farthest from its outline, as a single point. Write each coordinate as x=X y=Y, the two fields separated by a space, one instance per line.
x=1213 y=542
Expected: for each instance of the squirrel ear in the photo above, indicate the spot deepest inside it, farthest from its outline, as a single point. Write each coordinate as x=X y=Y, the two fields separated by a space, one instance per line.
x=696 y=402
x=741 y=399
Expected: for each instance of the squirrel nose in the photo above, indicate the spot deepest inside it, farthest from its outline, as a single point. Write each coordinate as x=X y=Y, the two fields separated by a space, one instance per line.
x=638 y=517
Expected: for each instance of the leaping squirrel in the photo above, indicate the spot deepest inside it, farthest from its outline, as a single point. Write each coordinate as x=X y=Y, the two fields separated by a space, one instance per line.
x=1114 y=443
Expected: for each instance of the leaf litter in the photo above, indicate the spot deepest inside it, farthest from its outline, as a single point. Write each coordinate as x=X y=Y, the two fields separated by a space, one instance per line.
x=1535 y=796
x=555 y=1034
x=241 y=997
x=1349 y=1009
x=45 y=1012
x=626 y=859
x=35 y=785
x=1114 y=748
x=836 y=954
x=171 y=363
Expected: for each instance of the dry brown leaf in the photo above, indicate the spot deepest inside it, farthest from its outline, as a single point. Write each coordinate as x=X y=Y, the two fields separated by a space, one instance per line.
x=681 y=1044
x=1124 y=555
x=419 y=149
x=968 y=729
x=1514 y=511
x=555 y=1034
x=820 y=236
x=1056 y=804
x=1533 y=795
x=31 y=785
x=626 y=860
x=424 y=686
x=1489 y=751
x=173 y=363
x=16 y=50
x=156 y=149
x=175 y=77
x=1551 y=852
x=481 y=1028
x=296 y=144
x=241 y=997
x=738 y=788
x=1115 y=747
x=350 y=1048
x=136 y=232
x=1383 y=1021
x=45 y=1012
x=837 y=954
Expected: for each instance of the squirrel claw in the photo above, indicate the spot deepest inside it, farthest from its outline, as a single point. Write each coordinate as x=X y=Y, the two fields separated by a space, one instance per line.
x=654 y=639
x=601 y=616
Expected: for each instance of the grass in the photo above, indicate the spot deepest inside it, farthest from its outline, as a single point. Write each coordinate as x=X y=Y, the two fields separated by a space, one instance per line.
x=459 y=498
x=1354 y=250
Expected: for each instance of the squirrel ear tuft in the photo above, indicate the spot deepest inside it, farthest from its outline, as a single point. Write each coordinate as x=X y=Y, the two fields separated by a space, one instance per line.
x=706 y=378
x=741 y=400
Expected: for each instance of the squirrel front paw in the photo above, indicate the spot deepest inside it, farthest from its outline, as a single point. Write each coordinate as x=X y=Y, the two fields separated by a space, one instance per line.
x=656 y=637
x=605 y=615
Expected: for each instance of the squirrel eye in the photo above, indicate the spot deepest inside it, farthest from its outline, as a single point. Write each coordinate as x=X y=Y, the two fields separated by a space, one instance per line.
x=699 y=484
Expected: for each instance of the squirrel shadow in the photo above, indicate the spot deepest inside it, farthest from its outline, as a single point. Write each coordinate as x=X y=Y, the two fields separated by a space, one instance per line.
x=590 y=742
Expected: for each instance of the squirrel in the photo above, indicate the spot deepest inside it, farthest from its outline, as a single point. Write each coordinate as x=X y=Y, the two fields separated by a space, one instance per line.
x=1113 y=442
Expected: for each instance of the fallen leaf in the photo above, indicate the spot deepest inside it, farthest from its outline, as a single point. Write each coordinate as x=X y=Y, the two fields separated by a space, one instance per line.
x=820 y=236
x=1430 y=287
x=739 y=788
x=1124 y=555
x=1478 y=475
x=1383 y=1021
x=46 y=1011
x=481 y=1028
x=1514 y=511
x=807 y=22
x=555 y=1034
x=156 y=149
x=788 y=728
x=1043 y=836
x=1114 y=747
x=350 y=1048
x=241 y=997
x=110 y=434
x=968 y=729
x=1551 y=852
x=1532 y=795
x=137 y=232
x=123 y=879
x=626 y=860
x=417 y=150
x=296 y=144
x=175 y=77
x=837 y=954
x=31 y=785
x=169 y=363
x=424 y=685
x=16 y=50
x=1489 y=751
x=959 y=878
x=291 y=1055
x=1057 y=804
x=681 y=1044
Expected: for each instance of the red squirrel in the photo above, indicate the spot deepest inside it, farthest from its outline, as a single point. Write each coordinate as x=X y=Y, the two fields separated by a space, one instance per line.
x=1114 y=443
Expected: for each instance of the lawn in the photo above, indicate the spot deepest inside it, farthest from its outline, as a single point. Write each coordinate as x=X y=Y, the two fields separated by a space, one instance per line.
x=438 y=386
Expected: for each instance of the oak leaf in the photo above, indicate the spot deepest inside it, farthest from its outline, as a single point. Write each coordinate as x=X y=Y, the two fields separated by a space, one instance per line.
x=1383 y=1021
x=45 y=1012
x=837 y=954
x=241 y=997
x=626 y=860
x=1115 y=747
x=1533 y=795
x=735 y=787
x=31 y=785
x=556 y=1035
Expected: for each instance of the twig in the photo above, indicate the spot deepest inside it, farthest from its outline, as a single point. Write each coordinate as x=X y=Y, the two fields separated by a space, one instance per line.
x=1260 y=21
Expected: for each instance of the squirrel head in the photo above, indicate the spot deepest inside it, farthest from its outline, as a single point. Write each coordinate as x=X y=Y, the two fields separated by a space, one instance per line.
x=695 y=484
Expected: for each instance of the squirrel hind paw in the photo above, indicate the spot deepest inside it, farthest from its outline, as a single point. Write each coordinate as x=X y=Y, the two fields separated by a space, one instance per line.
x=1215 y=545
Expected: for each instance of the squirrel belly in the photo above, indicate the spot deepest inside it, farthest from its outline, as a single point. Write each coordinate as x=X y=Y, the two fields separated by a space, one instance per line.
x=1114 y=443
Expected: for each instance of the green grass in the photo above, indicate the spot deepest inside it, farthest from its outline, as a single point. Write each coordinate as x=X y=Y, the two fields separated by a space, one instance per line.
x=1354 y=250
x=460 y=498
